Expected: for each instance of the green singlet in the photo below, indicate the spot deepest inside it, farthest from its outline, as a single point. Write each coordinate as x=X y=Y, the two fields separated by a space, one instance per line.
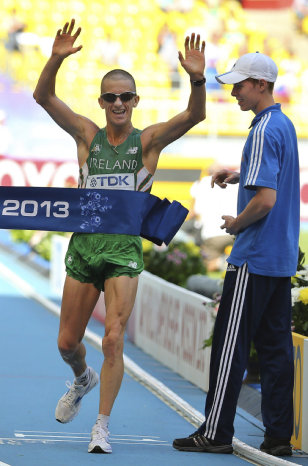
x=94 y=257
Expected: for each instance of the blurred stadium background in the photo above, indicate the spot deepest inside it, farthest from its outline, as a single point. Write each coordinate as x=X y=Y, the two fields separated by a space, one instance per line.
x=143 y=37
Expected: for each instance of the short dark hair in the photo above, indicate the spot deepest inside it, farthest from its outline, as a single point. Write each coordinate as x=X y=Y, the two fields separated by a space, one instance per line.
x=118 y=74
x=255 y=81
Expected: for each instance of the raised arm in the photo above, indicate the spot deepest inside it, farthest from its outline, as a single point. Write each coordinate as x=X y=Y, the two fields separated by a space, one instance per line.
x=156 y=137
x=194 y=64
x=45 y=95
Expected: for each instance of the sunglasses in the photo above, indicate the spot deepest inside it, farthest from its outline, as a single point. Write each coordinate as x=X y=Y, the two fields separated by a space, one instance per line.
x=124 y=97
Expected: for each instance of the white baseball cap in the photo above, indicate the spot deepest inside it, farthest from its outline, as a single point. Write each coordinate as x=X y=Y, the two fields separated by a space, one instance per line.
x=251 y=65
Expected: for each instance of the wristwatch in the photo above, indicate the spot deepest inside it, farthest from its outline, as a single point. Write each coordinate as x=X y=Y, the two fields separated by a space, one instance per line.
x=199 y=83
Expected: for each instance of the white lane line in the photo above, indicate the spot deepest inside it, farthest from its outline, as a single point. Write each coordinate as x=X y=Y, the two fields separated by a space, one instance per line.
x=19 y=441
x=71 y=435
x=43 y=432
x=43 y=437
x=146 y=379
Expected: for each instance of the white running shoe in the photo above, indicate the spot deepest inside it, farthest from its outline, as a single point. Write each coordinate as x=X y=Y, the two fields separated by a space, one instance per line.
x=99 y=440
x=69 y=404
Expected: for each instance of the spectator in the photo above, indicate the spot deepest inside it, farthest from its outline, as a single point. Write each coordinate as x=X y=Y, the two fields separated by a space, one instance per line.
x=15 y=27
x=109 y=51
x=300 y=8
x=168 y=51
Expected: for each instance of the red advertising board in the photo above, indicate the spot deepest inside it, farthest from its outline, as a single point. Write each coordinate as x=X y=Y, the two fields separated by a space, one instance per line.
x=18 y=172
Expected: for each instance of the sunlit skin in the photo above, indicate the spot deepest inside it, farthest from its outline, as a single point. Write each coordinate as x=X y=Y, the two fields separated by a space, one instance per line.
x=252 y=96
x=119 y=113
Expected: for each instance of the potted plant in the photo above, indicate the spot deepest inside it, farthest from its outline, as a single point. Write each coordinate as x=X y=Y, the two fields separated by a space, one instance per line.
x=299 y=293
x=174 y=263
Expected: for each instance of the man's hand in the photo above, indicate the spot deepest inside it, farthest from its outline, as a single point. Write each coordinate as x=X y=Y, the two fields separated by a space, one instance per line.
x=256 y=209
x=194 y=61
x=64 y=41
x=229 y=225
x=224 y=177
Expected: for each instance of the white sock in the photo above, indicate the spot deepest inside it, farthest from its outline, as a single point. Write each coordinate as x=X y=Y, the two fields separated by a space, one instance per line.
x=103 y=421
x=83 y=379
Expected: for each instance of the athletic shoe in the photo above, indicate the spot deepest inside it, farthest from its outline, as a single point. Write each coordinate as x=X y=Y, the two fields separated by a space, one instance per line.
x=69 y=404
x=99 y=440
x=198 y=442
x=276 y=446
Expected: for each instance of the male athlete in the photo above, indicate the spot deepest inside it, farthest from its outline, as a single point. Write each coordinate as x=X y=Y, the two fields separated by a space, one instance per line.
x=256 y=299
x=109 y=262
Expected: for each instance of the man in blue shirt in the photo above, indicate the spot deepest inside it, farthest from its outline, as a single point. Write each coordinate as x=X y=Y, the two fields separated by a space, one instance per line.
x=256 y=299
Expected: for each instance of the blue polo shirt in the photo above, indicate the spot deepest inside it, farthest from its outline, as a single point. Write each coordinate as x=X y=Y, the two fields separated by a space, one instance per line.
x=270 y=159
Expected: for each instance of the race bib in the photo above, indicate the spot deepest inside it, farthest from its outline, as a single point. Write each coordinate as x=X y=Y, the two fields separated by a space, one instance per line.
x=114 y=181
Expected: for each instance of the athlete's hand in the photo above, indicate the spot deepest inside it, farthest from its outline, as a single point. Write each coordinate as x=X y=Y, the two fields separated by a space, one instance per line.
x=224 y=177
x=194 y=60
x=64 y=41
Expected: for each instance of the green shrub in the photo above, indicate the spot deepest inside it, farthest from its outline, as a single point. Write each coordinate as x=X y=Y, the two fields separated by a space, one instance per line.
x=299 y=294
x=174 y=263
